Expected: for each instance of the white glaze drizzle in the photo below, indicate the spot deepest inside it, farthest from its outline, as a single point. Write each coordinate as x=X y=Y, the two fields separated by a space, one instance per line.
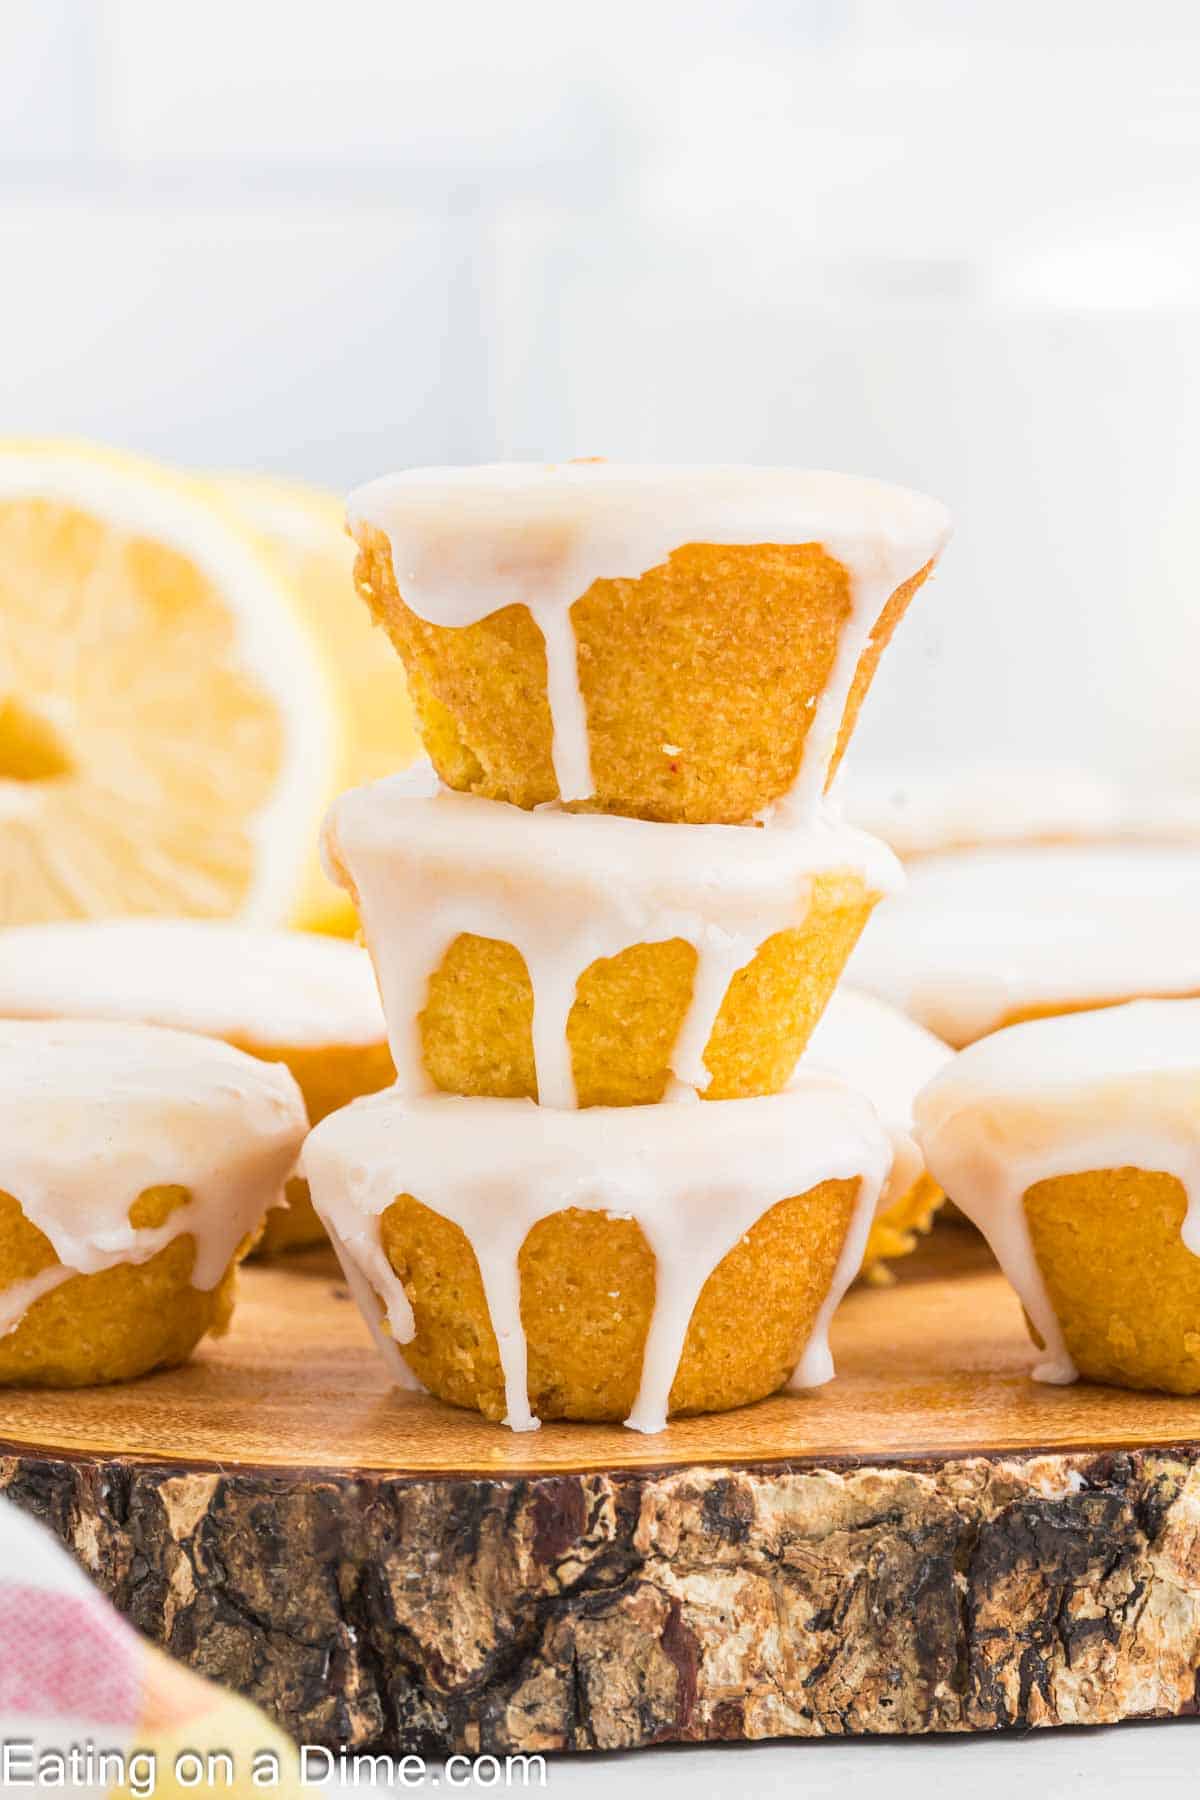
x=93 y=1114
x=368 y=1276
x=886 y=1056
x=269 y=988
x=978 y=935
x=695 y=1179
x=467 y=542
x=566 y=889
x=1113 y=1089
x=15 y=1301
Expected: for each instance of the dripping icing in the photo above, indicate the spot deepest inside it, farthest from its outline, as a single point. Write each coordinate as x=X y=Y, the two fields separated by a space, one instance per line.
x=568 y=889
x=696 y=1180
x=1114 y=1089
x=92 y=1115
x=467 y=542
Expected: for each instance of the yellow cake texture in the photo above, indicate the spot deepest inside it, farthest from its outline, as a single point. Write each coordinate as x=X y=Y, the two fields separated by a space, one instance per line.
x=1071 y=1142
x=587 y=1292
x=786 y=1262
x=700 y=679
x=114 y=1325
x=1124 y=1286
x=476 y=1027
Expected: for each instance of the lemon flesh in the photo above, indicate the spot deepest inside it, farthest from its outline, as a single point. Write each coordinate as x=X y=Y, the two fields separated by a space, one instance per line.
x=304 y=529
x=168 y=741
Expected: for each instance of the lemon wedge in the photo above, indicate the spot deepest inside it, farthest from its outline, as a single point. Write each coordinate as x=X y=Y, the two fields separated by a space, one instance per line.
x=304 y=529
x=169 y=736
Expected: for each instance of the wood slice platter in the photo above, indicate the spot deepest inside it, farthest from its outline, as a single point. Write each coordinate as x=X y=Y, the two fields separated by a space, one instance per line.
x=932 y=1543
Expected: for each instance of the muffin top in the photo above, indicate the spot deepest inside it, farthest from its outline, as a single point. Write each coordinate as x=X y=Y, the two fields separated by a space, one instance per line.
x=979 y=935
x=1059 y=1065
x=467 y=541
x=271 y=989
x=93 y=1115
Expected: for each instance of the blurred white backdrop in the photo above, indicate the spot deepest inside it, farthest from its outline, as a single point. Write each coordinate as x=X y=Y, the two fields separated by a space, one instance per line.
x=951 y=242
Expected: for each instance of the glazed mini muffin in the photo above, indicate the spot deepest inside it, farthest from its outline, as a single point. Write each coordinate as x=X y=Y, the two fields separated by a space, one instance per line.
x=985 y=938
x=283 y=996
x=541 y=1264
x=889 y=1058
x=581 y=959
x=681 y=644
x=1074 y=1144
x=136 y=1167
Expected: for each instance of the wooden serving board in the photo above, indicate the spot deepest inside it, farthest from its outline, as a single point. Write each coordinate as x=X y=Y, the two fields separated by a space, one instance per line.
x=933 y=1542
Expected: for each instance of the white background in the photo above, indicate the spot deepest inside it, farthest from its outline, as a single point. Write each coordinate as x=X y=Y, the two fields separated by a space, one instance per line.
x=951 y=242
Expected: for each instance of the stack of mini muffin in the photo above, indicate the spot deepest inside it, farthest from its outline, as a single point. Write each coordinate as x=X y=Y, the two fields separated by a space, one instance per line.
x=626 y=891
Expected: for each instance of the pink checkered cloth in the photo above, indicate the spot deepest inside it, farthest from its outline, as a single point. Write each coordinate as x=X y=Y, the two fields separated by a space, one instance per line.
x=78 y=1683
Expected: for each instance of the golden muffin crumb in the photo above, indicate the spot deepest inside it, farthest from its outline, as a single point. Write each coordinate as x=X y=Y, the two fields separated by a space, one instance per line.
x=114 y=1325
x=477 y=1026
x=897 y=1229
x=1124 y=1286
x=587 y=1294
x=699 y=678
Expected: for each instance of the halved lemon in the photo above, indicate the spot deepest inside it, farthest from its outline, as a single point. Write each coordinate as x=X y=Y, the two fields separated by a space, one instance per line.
x=168 y=734
x=305 y=529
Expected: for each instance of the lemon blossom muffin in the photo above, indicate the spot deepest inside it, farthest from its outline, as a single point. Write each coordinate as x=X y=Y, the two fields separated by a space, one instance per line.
x=987 y=937
x=681 y=644
x=889 y=1058
x=1074 y=1144
x=136 y=1166
x=283 y=996
x=583 y=959
x=538 y=1263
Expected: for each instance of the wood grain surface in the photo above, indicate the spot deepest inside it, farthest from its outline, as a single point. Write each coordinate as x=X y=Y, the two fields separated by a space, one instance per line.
x=936 y=1365
x=932 y=1543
